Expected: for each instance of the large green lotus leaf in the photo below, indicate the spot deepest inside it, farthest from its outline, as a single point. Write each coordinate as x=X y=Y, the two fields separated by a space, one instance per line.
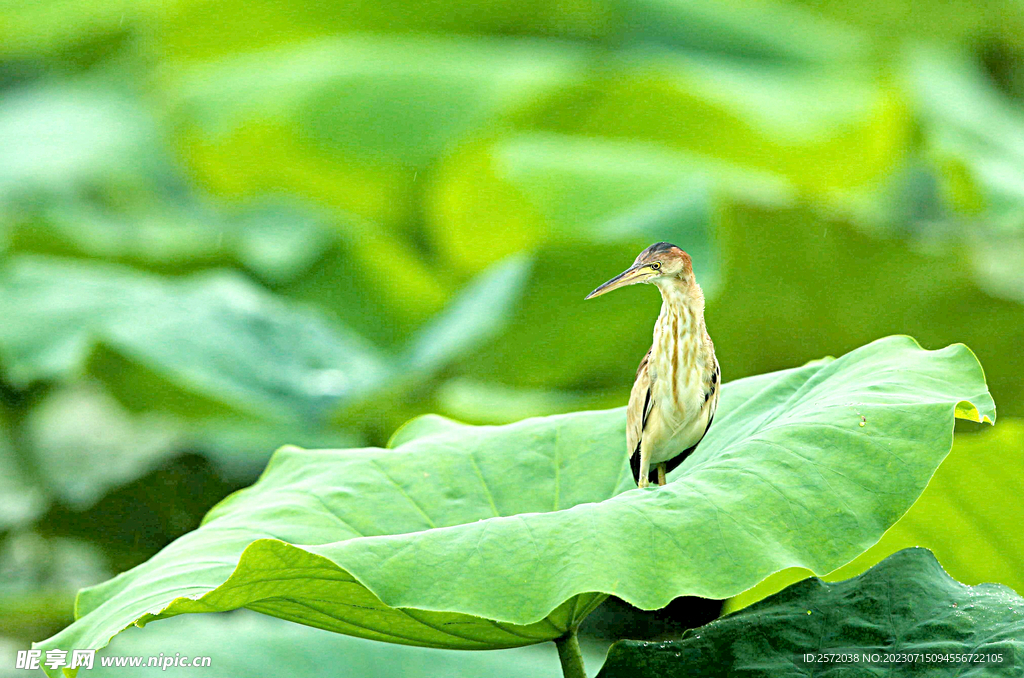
x=906 y=604
x=212 y=344
x=353 y=121
x=296 y=651
x=486 y=537
x=968 y=516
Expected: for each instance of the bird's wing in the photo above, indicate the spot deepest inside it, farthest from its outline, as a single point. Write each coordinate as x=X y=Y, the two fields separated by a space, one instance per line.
x=715 y=391
x=640 y=404
x=709 y=408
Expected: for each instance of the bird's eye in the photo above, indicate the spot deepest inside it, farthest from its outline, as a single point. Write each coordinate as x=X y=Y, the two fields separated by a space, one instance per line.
x=656 y=265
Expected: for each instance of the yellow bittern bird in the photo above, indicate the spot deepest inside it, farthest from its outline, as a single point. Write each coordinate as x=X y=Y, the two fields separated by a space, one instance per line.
x=676 y=390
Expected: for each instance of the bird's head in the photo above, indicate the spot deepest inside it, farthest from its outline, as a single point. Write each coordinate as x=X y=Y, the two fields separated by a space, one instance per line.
x=661 y=262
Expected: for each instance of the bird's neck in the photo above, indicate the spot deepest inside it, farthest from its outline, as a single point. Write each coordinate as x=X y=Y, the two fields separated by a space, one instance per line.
x=682 y=307
x=681 y=344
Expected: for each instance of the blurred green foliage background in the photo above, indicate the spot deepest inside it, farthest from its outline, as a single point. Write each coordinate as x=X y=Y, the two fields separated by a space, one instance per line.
x=228 y=226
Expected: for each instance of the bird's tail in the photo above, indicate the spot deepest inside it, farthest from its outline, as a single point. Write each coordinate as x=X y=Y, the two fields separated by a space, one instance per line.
x=634 y=464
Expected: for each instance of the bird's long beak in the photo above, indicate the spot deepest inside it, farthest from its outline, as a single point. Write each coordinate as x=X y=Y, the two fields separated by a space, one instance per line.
x=633 y=274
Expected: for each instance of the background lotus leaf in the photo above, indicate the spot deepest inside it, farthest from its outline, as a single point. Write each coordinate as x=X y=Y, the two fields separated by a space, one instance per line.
x=905 y=605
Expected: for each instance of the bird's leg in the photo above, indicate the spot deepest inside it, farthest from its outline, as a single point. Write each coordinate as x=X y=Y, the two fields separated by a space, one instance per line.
x=645 y=469
x=661 y=473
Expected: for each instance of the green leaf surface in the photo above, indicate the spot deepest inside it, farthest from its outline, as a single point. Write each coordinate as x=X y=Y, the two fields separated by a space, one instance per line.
x=969 y=516
x=411 y=544
x=421 y=427
x=905 y=605
x=210 y=344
